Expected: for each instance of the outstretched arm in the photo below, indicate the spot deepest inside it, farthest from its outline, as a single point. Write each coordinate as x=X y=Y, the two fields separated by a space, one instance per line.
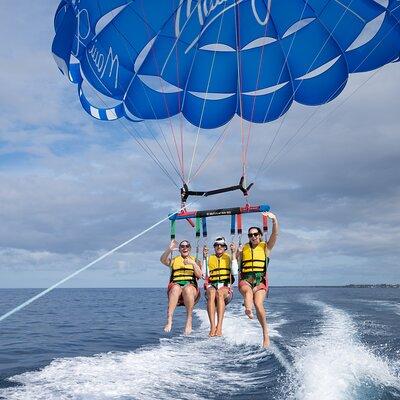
x=275 y=230
x=165 y=257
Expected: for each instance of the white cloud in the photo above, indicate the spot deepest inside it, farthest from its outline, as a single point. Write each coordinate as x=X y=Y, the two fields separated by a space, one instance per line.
x=72 y=187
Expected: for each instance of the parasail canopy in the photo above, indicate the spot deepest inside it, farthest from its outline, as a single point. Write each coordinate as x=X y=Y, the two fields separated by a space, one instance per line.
x=210 y=60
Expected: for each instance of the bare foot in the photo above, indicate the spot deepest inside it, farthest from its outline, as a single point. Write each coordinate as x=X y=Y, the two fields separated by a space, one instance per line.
x=168 y=326
x=265 y=342
x=218 y=332
x=249 y=313
x=212 y=332
x=188 y=328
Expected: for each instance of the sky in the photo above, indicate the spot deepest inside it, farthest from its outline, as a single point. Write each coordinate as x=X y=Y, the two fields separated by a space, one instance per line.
x=73 y=188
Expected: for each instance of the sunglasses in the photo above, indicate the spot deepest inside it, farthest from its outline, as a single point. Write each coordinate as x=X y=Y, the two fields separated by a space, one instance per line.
x=219 y=245
x=250 y=235
x=184 y=246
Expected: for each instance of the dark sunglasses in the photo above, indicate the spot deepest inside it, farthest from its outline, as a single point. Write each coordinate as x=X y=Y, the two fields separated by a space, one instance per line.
x=219 y=245
x=184 y=246
x=250 y=235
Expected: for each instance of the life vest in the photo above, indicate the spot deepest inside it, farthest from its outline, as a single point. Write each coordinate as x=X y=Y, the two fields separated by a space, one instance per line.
x=219 y=268
x=181 y=271
x=254 y=260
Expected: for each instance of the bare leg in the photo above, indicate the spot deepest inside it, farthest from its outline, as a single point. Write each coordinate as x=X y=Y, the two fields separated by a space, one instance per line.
x=189 y=294
x=247 y=293
x=259 y=298
x=222 y=293
x=211 y=292
x=173 y=297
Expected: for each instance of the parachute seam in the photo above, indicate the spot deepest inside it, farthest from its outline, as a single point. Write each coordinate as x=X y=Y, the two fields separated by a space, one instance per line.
x=330 y=35
x=285 y=64
x=257 y=82
x=204 y=101
x=165 y=102
x=239 y=83
x=157 y=34
x=341 y=103
x=158 y=162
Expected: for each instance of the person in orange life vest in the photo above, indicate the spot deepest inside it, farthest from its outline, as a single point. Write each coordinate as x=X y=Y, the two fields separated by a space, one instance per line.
x=219 y=279
x=253 y=284
x=182 y=288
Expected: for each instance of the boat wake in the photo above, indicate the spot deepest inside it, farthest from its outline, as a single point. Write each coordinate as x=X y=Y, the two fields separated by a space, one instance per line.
x=336 y=365
x=331 y=363
x=194 y=367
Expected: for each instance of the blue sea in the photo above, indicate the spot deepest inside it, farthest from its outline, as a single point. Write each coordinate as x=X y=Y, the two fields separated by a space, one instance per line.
x=103 y=344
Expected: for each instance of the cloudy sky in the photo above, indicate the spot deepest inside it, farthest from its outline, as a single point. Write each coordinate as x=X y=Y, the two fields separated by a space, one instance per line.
x=73 y=188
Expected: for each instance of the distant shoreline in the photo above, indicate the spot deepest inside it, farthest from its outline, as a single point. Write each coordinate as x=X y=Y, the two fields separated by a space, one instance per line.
x=379 y=285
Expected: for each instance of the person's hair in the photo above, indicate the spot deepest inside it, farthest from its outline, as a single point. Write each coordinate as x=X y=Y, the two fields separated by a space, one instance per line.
x=185 y=241
x=255 y=227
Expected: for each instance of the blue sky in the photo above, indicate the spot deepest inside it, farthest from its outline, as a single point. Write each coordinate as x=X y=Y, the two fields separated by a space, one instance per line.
x=73 y=188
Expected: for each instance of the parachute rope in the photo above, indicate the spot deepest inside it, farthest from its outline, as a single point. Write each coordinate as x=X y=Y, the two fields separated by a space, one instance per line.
x=328 y=40
x=87 y=266
x=164 y=98
x=274 y=159
x=258 y=80
x=204 y=101
x=159 y=70
x=329 y=99
x=213 y=150
x=284 y=65
x=145 y=147
x=261 y=167
x=246 y=146
x=171 y=160
x=142 y=142
x=239 y=83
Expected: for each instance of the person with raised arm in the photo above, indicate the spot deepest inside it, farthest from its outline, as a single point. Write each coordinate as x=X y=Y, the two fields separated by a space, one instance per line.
x=253 y=283
x=182 y=288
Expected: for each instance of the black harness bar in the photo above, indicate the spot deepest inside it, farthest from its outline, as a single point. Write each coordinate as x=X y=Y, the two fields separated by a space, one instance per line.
x=185 y=192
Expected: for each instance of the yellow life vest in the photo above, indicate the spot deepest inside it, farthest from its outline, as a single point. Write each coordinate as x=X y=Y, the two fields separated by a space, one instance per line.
x=255 y=260
x=219 y=268
x=181 y=271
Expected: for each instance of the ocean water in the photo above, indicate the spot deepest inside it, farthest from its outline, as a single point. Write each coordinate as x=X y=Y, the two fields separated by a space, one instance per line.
x=103 y=344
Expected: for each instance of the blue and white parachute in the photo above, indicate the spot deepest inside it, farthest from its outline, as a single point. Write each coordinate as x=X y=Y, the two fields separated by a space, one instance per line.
x=212 y=59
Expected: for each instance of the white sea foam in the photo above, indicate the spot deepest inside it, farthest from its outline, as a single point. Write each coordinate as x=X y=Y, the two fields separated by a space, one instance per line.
x=389 y=305
x=180 y=367
x=239 y=329
x=334 y=365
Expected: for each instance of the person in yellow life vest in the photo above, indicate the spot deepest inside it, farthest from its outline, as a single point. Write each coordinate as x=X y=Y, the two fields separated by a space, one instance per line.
x=253 y=284
x=220 y=269
x=182 y=287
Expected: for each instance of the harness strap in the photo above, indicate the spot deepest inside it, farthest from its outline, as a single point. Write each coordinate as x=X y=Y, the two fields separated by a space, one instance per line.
x=173 y=229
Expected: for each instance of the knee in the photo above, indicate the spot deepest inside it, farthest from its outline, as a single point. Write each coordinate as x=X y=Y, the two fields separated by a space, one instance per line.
x=244 y=290
x=259 y=307
x=189 y=292
x=211 y=293
x=175 y=290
